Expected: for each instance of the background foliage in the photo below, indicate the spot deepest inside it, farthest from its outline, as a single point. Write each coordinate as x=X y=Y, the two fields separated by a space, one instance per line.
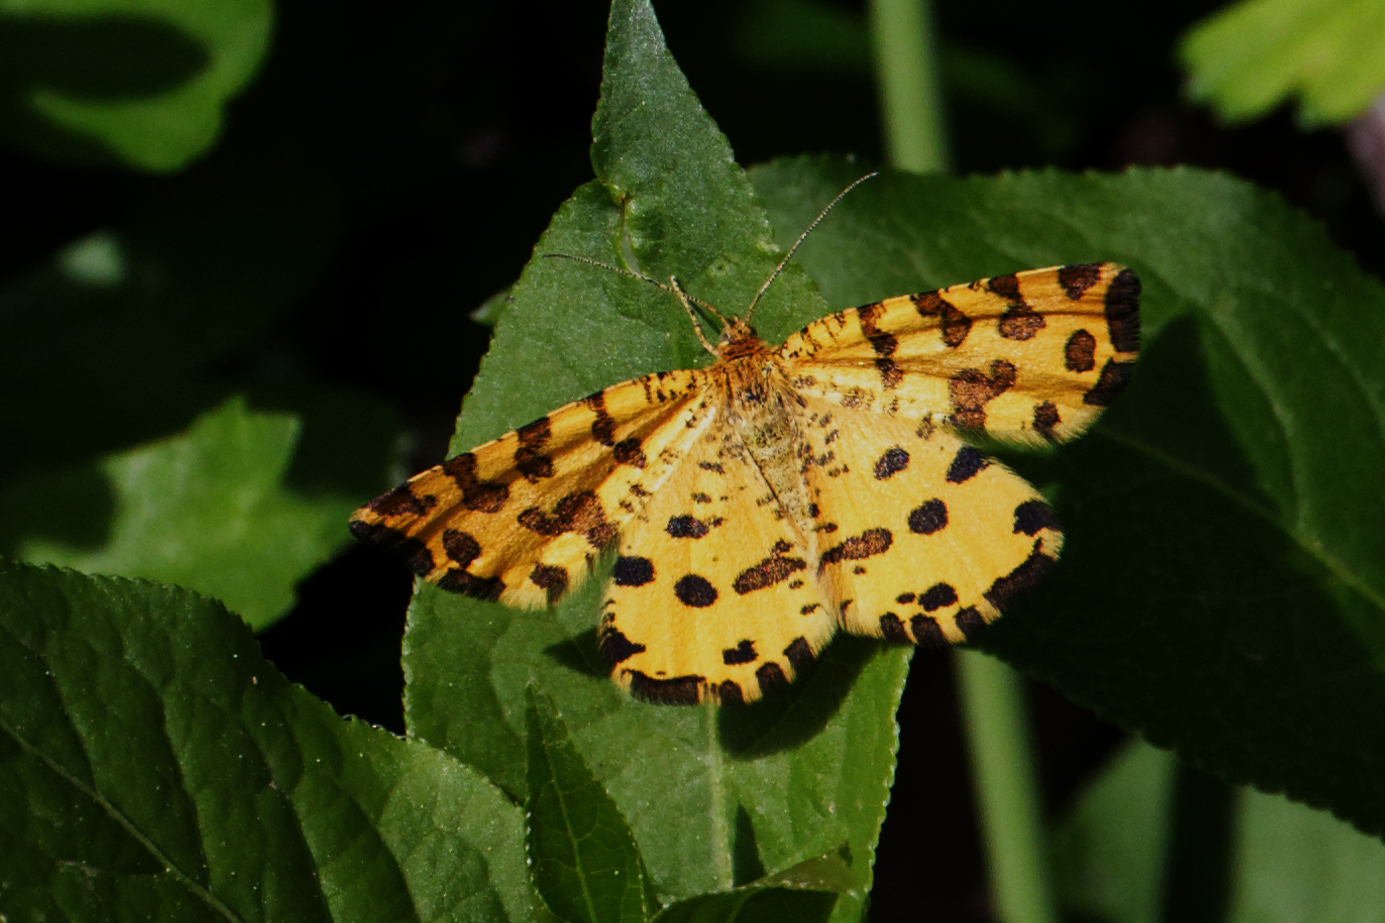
x=234 y=300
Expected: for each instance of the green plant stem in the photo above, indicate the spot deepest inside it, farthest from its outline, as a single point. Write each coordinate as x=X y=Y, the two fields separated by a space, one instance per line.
x=1003 y=766
x=906 y=72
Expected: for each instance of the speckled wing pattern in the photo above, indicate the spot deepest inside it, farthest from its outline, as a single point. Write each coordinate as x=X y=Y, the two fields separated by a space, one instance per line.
x=779 y=495
x=713 y=591
x=522 y=518
x=1030 y=357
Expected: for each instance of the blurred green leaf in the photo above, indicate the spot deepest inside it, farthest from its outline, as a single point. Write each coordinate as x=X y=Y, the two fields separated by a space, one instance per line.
x=1222 y=588
x=1255 y=54
x=1291 y=863
x=714 y=798
x=138 y=82
x=1108 y=849
x=583 y=858
x=207 y=510
x=153 y=765
x=127 y=334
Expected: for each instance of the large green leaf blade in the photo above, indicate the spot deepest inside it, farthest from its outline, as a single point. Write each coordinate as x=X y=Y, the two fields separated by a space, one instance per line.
x=138 y=82
x=152 y=763
x=1220 y=589
x=583 y=857
x=1255 y=54
x=708 y=794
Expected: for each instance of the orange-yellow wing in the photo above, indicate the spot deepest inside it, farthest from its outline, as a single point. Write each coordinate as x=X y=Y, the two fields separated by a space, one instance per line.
x=521 y=519
x=714 y=592
x=924 y=538
x=1029 y=357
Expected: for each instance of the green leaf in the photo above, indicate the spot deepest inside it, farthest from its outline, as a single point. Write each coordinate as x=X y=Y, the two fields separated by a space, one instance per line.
x=207 y=510
x=136 y=82
x=1291 y=863
x=805 y=893
x=154 y=765
x=714 y=798
x=1222 y=587
x=584 y=860
x=1252 y=56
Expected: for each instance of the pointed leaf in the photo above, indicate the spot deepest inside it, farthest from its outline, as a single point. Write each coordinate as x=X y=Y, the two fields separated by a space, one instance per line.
x=583 y=857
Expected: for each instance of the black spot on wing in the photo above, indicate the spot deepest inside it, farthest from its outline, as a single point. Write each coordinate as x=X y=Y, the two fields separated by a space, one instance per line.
x=1123 y=311
x=770 y=677
x=695 y=590
x=937 y=596
x=891 y=463
x=457 y=580
x=529 y=457
x=869 y=543
x=1021 y=578
x=928 y=517
x=893 y=629
x=460 y=546
x=970 y=623
x=965 y=465
x=686 y=527
x=411 y=551
x=477 y=495
x=927 y=631
x=616 y=648
x=767 y=573
x=1114 y=377
x=1076 y=278
x=799 y=654
x=628 y=452
x=1079 y=354
x=1046 y=418
x=550 y=578
x=680 y=690
x=729 y=692
x=953 y=323
x=632 y=571
x=402 y=501
x=743 y=652
x=578 y=512
x=1033 y=515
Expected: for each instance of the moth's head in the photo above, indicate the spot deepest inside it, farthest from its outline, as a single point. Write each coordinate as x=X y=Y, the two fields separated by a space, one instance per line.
x=737 y=339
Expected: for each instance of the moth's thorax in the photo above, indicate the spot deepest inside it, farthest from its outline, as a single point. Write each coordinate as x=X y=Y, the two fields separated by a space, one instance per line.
x=763 y=411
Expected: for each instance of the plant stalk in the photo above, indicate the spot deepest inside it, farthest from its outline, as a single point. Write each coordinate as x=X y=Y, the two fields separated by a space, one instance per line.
x=1016 y=842
x=906 y=72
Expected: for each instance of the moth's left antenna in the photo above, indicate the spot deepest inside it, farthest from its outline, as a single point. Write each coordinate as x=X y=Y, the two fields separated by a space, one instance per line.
x=801 y=238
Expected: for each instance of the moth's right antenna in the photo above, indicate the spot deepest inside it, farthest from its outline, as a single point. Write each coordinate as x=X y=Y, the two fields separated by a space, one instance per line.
x=801 y=238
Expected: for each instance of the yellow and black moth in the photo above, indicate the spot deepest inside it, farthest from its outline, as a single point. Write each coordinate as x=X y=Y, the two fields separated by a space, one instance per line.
x=781 y=494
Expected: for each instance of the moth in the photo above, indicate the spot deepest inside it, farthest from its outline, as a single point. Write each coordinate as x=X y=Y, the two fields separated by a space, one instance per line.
x=781 y=494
